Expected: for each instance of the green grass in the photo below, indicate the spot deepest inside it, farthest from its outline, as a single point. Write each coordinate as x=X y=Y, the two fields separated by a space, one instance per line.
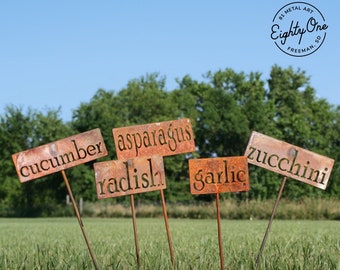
x=59 y=244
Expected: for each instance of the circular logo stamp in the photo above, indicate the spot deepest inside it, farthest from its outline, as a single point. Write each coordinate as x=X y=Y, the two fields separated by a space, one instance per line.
x=298 y=29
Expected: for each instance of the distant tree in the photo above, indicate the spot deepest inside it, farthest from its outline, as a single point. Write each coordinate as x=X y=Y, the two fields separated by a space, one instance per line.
x=300 y=118
x=142 y=101
x=14 y=137
x=219 y=124
x=333 y=140
x=20 y=132
x=224 y=107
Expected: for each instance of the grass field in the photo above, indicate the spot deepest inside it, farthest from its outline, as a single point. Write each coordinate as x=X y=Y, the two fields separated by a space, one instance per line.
x=59 y=244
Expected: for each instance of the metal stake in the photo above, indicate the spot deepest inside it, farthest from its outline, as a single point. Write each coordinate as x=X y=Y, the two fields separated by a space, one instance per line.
x=219 y=230
x=271 y=220
x=79 y=219
x=165 y=215
x=132 y=202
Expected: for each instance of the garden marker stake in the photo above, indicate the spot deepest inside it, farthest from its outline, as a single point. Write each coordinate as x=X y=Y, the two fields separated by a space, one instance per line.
x=133 y=213
x=79 y=219
x=128 y=177
x=220 y=242
x=270 y=221
x=58 y=156
x=165 y=216
x=290 y=161
x=217 y=175
x=162 y=138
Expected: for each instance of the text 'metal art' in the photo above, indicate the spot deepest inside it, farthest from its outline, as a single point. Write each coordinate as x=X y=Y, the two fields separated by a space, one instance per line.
x=218 y=175
x=59 y=155
x=289 y=160
x=125 y=177
x=161 y=138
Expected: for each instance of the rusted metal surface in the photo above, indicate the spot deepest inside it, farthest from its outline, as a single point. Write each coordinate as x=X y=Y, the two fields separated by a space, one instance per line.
x=167 y=228
x=219 y=230
x=162 y=138
x=125 y=177
x=270 y=221
x=59 y=155
x=133 y=213
x=217 y=175
x=76 y=211
x=289 y=160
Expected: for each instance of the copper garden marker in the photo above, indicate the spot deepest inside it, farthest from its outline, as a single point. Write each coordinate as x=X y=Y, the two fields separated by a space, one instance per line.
x=290 y=161
x=161 y=138
x=58 y=156
x=217 y=175
x=128 y=177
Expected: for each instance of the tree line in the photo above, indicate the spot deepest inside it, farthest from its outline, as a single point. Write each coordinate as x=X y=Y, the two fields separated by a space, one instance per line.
x=224 y=107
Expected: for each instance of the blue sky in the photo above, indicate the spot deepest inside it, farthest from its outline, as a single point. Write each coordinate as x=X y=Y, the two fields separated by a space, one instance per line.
x=59 y=53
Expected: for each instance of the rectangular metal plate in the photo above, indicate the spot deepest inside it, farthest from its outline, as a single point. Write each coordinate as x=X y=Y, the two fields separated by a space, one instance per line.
x=217 y=175
x=59 y=155
x=162 y=138
x=289 y=160
x=125 y=177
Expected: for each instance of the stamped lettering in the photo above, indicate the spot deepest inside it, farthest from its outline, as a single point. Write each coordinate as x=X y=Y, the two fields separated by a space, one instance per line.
x=217 y=175
x=289 y=160
x=162 y=138
x=125 y=177
x=59 y=155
